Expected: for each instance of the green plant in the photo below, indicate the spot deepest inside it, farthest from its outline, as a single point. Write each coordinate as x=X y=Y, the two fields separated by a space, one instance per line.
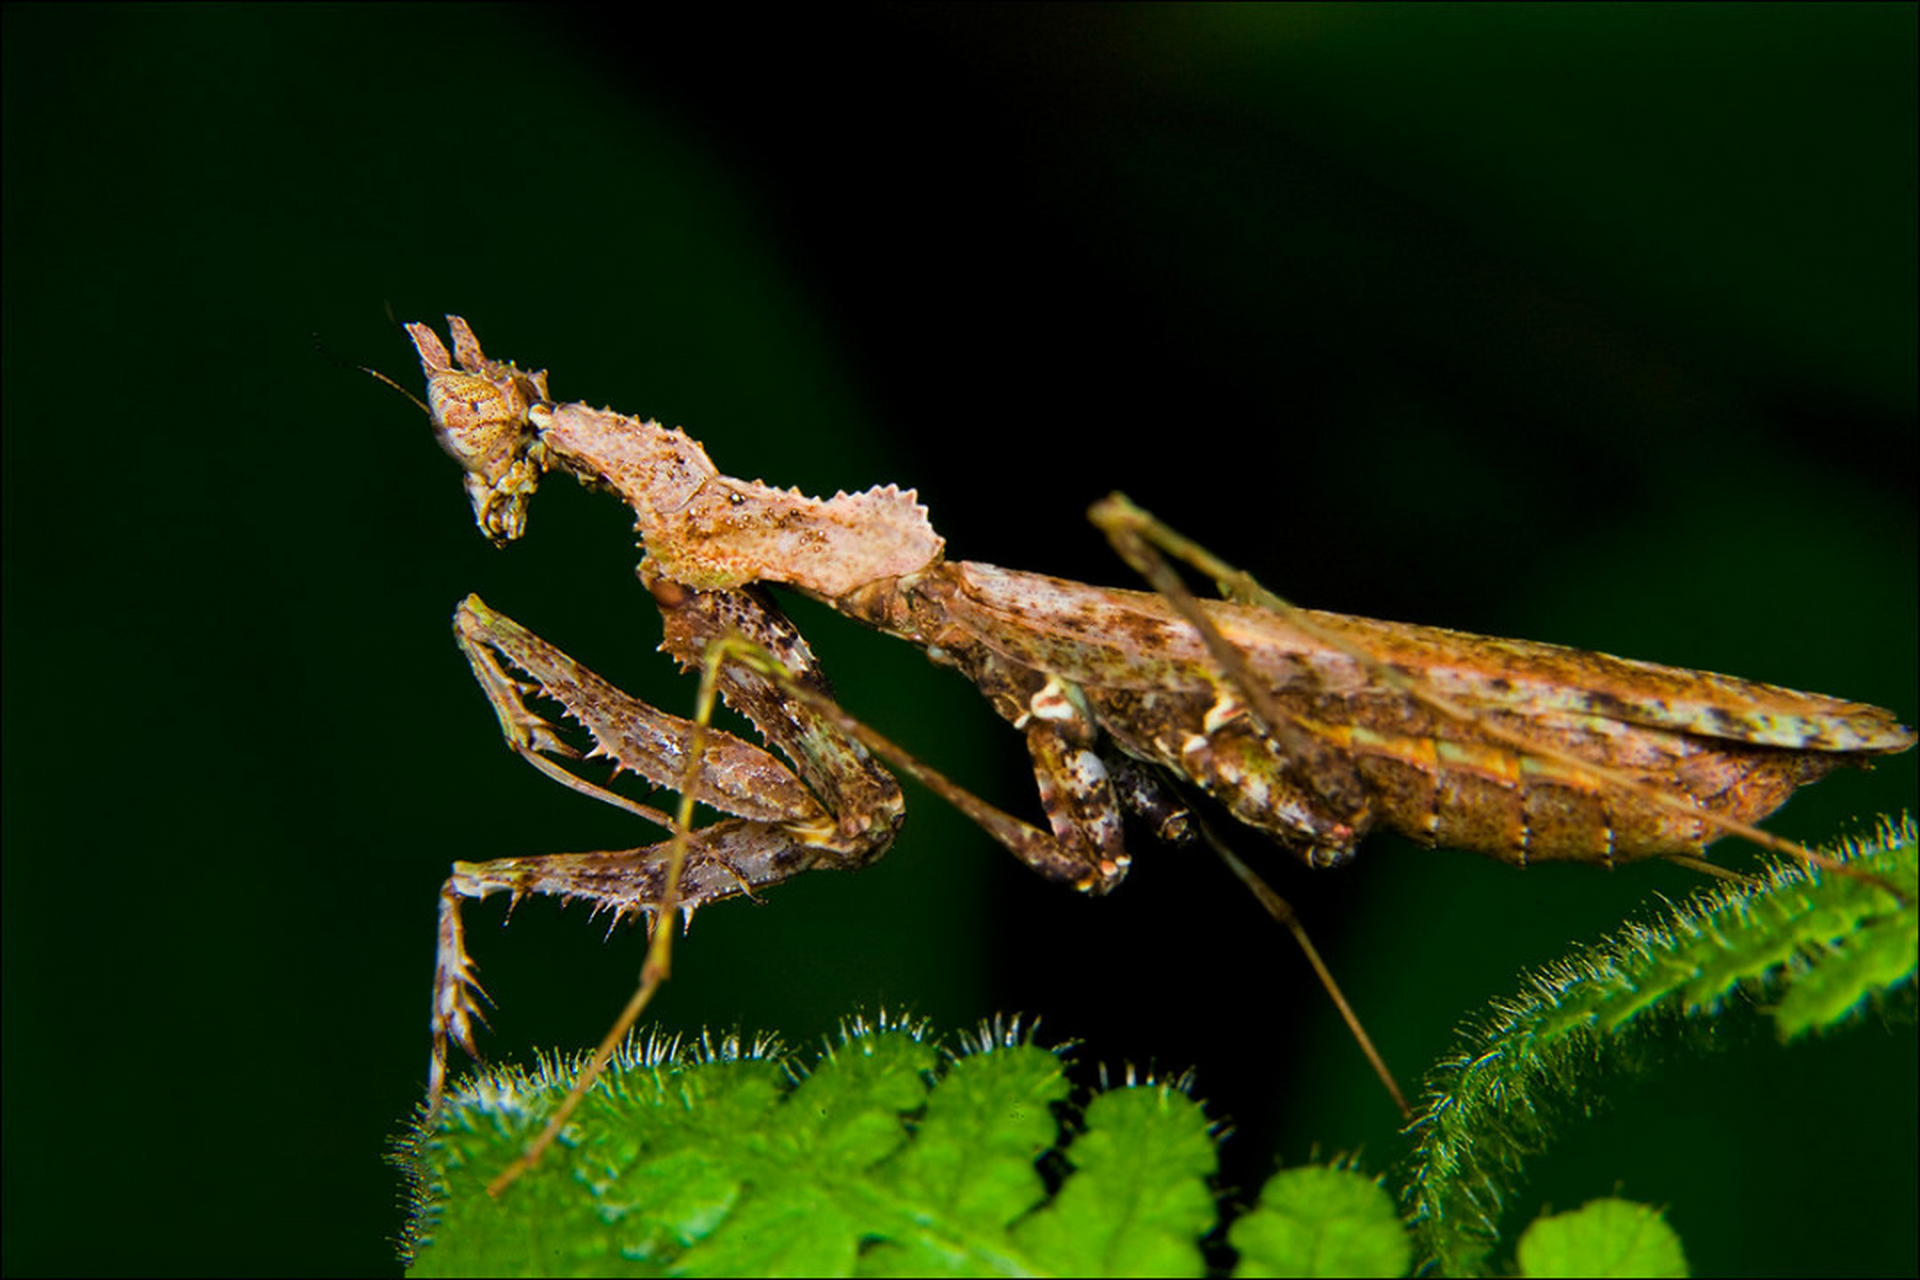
x=892 y=1156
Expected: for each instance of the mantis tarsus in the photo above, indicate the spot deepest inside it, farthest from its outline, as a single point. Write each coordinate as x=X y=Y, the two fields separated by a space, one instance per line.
x=1311 y=727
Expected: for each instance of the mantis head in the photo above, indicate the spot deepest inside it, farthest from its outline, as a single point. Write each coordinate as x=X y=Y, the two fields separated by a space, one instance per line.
x=481 y=417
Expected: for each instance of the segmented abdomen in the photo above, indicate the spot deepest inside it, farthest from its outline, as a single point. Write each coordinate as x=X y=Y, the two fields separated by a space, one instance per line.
x=1492 y=799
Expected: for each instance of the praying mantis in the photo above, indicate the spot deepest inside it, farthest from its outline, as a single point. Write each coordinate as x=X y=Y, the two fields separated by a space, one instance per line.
x=1310 y=727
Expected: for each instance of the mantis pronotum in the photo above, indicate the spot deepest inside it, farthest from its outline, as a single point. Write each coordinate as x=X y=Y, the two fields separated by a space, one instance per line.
x=1311 y=727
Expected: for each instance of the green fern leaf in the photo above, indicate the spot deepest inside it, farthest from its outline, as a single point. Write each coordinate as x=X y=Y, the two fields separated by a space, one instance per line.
x=1602 y=1238
x=1138 y=1202
x=1320 y=1221
x=1811 y=950
x=889 y=1156
x=886 y=1158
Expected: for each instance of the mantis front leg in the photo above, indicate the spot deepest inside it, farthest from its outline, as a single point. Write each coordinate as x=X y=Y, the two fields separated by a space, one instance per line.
x=836 y=807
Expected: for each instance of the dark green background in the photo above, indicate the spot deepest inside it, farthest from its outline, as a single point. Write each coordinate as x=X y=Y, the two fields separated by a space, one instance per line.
x=1594 y=325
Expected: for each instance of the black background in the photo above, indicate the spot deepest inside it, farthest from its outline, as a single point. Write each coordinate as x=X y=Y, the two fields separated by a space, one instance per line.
x=1593 y=325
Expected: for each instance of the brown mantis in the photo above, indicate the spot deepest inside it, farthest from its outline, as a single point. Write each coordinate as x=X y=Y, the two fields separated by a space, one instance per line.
x=1311 y=727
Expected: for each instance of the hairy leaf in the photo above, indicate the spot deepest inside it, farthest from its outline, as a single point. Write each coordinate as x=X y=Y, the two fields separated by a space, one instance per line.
x=1810 y=950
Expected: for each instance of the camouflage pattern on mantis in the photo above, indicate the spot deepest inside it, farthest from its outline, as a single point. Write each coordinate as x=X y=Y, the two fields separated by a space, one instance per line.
x=1311 y=727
